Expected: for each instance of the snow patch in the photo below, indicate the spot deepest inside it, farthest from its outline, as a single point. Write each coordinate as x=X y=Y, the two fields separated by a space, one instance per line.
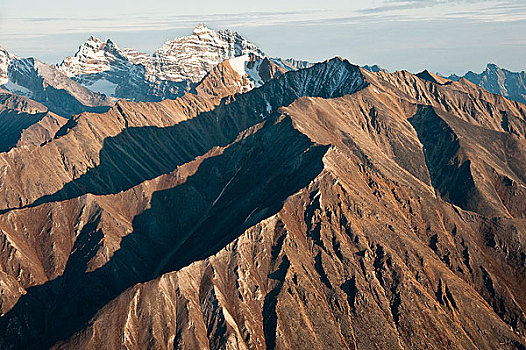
x=249 y=215
x=104 y=87
x=269 y=107
x=253 y=74
x=239 y=64
x=17 y=89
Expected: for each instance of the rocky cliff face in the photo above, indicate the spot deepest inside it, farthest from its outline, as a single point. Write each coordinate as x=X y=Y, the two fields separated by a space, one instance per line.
x=5 y=59
x=120 y=73
x=330 y=208
x=499 y=81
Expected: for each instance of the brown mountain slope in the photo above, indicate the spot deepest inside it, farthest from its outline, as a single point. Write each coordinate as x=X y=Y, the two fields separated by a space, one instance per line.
x=371 y=210
x=80 y=145
x=21 y=104
x=24 y=122
x=360 y=258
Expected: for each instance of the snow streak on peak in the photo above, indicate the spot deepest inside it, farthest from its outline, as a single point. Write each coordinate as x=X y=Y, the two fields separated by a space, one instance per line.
x=248 y=66
x=187 y=58
x=192 y=57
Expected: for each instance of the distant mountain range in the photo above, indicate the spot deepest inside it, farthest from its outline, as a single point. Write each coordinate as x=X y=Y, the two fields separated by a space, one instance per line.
x=499 y=81
x=374 y=68
x=495 y=79
x=101 y=72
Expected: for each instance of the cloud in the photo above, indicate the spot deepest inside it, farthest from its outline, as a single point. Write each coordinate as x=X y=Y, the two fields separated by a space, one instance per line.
x=400 y=5
x=394 y=5
x=28 y=27
x=480 y=10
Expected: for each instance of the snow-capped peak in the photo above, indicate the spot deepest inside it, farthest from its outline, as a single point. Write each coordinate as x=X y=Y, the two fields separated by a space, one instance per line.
x=192 y=57
x=94 y=56
x=106 y=68
x=187 y=58
x=90 y=45
x=201 y=28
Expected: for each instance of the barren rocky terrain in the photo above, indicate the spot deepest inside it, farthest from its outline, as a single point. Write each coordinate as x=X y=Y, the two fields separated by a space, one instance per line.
x=332 y=207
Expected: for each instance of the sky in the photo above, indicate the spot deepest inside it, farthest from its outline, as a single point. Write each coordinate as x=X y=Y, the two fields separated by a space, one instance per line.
x=446 y=36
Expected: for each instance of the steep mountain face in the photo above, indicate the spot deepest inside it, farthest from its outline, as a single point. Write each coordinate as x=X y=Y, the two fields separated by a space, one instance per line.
x=5 y=59
x=106 y=68
x=330 y=208
x=256 y=70
x=499 y=81
x=191 y=57
x=96 y=56
x=47 y=85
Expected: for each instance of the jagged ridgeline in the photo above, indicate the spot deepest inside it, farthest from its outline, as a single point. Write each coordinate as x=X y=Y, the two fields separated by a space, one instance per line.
x=274 y=205
x=103 y=68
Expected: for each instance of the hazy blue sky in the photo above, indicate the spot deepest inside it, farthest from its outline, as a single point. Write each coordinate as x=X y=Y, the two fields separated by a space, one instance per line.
x=441 y=35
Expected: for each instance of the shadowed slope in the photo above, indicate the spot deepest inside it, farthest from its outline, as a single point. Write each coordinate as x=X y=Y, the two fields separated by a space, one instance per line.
x=139 y=154
x=363 y=253
x=364 y=257
x=475 y=168
x=25 y=122
x=229 y=193
x=12 y=124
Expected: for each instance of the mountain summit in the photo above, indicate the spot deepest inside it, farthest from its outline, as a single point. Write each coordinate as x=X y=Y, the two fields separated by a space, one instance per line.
x=191 y=57
x=96 y=56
